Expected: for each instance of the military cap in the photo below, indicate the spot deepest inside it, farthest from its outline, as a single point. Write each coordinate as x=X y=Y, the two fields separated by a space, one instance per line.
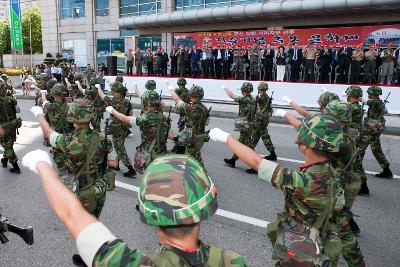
x=153 y=97
x=150 y=85
x=354 y=91
x=325 y=98
x=78 y=76
x=118 y=87
x=176 y=190
x=339 y=110
x=374 y=90
x=181 y=81
x=51 y=83
x=196 y=92
x=246 y=87
x=80 y=111
x=320 y=132
x=58 y=89
x=94 y=81
x=263 y=86
x=119 y=79
x=44 y=77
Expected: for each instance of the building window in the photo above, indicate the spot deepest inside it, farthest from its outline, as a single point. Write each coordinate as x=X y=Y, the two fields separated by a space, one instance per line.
x=102 y=8
x=152 y=42
x=139 y=7
x=111 y=47
x=72 y=9
x=75 y=51
x=196 y=4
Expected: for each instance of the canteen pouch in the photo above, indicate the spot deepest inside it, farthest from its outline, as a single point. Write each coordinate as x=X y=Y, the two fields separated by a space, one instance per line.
x=373 y=126
x=333 y=247
x=109 y=177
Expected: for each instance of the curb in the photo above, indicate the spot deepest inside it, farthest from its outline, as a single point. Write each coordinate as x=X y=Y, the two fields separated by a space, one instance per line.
x=232 y=115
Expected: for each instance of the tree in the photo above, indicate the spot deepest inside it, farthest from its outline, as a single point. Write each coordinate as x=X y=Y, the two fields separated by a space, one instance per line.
x=5 y=40
x=35 y=19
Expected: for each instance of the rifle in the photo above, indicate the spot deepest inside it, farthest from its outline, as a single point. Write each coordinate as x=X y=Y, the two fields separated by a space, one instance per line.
x=104 y=165
x=160 y=100
x=360 y=135
x=270 y=100
x=169 y=123
x=386 y=99
x=25 y=233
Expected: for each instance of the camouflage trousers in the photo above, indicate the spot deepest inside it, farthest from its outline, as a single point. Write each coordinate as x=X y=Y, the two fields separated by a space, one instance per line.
x=376 y=148
x=350 y=249
x=246 y=139
x=194 y=150
x=7 y=142
x=93 y=197
x=264 y=135
x=59 y=159
x=351 y=189
x=96 y=121
x=118 y=141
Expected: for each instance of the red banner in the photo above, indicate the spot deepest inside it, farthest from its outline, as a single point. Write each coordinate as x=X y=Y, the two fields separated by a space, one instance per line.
x=350 y=36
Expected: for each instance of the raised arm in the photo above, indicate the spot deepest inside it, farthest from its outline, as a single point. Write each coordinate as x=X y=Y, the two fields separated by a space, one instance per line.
x=174 y=95
x=38 y=112
x=121 y=117
x=80 y=87
x=67 y=82
x=101 y=93
x=228 y=92
x=299 y=109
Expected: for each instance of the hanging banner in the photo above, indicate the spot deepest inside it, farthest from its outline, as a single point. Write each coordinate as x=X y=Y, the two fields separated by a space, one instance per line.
x=349 y=36
x=16 y=25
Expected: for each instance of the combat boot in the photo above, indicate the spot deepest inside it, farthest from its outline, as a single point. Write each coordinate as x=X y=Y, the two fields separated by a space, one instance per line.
x=386 y=173
x=251 y=171
x=354 y=227
x=77 y=260
x=364 y=191
x=4 y=162
x=115 y=168
x=46 y=142
x=15 y=168
x=130 y=173
x=230 y=162
x=272 y=156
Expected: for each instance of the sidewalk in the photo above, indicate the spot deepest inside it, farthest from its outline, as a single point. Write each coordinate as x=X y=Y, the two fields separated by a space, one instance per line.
x=230 y=110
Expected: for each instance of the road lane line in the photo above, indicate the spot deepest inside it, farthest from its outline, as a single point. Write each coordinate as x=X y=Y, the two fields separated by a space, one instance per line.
x=220 y=212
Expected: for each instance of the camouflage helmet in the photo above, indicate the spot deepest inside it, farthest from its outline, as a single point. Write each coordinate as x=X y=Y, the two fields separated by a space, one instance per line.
x=325 y=98
x=176 y=190
x=339 y=110
x=91 y=94
x=320 y=132
x=246 y=88
x=118 y=87
x=79 y=76
x=181 y=82
x=51 y=83
x=94 y=81
x=80 y=111
x=119 y=79
x=58 y=89
x=354 y=91
x=196 y=92
x=44 y=77
x=153 y=97
x=263 y=86
x=374 y=90
x=150 y=85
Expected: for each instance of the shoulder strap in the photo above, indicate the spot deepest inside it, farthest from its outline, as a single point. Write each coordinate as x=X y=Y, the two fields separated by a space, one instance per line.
x=167 y=258
x=93 y=144
x=214 y=256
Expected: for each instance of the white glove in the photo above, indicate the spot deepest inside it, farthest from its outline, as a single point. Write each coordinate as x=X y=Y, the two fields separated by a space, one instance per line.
x=218 y=135
x=77 y=82
x=97 y=86
x=280 y=113
x=344 y=94
x=33 y=86
x=134 y=84
x=43 y=92
x=170 y=87
x=109 y=109
x=223 y=87
x=32 y=158
x=286 y=99
x=36 y=110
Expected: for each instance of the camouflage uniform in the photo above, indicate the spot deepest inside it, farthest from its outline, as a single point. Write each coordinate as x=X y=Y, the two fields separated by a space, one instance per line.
x=42 y=85
x=10 y=123
x=85 y=151
x=301 y=235
x=254 y=60
x=183 y=94
x=351 y=184
x=98 y=107
x=262 y=115
x=373 y=127
x=65 y=71
x=90 y=74
x=181 y=54
x=244 y=124
x=56 y=111
x=119 y=130
x=239 y=64
x=193 y=135
x=199 y=201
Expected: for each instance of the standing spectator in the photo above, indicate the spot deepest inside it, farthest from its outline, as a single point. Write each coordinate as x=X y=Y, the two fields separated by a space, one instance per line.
x=227 y=63
x=246 y=58
x=186 y=61
x=53 y=71
x=195 y=55
x=239 y=63
x=268 y=62
x=148 y=60
x=103 y=69
x=370 y=64
x=24 y=77
x=165 y=61
x=218 y=54
x=324 y=61
x=58 y=73
x=157 y=61
x=295 y=58
x=280 y=64
x=344 y=60
x=357 y=58
x=210 y=62
x=254 y=54
x=387 y=56
x=47 y=70
x=181 y=62
x=138 y=62
x=334 y=63
x=309 y=52
x=203 y=62
x=174 y=62
x=129 y=62
x=397 y=68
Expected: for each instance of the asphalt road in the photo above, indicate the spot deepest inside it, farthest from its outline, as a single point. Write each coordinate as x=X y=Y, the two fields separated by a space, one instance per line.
x=239 y=194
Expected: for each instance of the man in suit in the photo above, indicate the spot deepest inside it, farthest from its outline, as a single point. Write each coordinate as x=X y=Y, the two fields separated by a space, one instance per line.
x=218 y=54
x=267 y=59
x=227 y=63
x=334 y=62
x=295 y=58
x=324 y=61
x=174 y=61
x=195 y=55
x=344 y=61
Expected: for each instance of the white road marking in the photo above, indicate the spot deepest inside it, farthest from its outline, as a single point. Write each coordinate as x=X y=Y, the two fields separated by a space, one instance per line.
x=220 y=212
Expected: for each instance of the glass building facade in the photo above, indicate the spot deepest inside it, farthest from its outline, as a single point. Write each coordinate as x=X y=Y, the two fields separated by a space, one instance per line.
x=102 y=7
x=72 y=9
x=111 y=47
x=139 y=7
x=197 y=4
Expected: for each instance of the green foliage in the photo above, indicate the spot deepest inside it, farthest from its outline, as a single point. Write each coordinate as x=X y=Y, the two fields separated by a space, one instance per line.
x=5 y=41
x=32 y=15
x=49 y=59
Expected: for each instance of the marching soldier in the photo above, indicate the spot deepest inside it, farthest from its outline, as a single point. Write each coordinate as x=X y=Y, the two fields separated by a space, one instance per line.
x=118 y=129
x=9 y=124
x=178 y=231
x=370 y=64
x=262 y=115
x=154 y=128
x=243 y=123
x=196 y=115
x=86 y=158
x=89 y=73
